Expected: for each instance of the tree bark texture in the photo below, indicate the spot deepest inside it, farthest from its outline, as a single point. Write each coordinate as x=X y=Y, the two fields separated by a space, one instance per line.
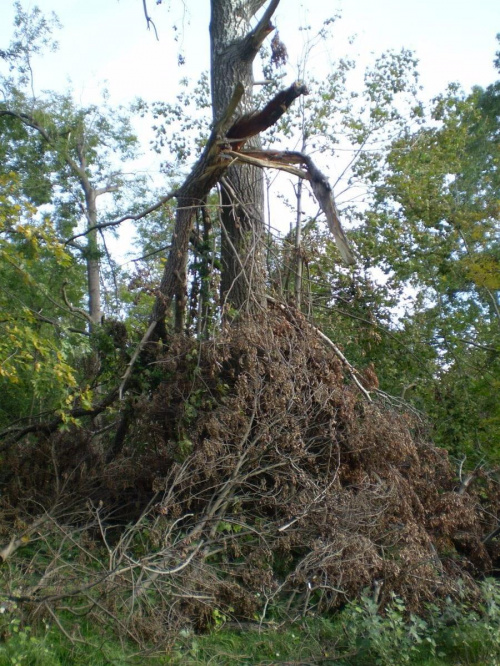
x=92 y=256
x=234 y=45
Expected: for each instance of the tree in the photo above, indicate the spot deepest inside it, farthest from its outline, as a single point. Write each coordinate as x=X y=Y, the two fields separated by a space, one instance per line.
x=434 y=230
x=38 y=336
x=234 y=46
x=69 y=155
x=204 y=487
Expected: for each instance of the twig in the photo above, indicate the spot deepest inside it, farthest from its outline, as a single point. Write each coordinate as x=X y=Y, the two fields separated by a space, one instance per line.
x=149 y=20
x=351 y=369
x=136 y=353
x=125 y=218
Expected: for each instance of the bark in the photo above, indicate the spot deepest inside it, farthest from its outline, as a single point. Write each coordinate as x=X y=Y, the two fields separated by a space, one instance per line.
x=173 y=280
x=234 y=46
x=212 y=165
x=190 y=196
x=92 y=257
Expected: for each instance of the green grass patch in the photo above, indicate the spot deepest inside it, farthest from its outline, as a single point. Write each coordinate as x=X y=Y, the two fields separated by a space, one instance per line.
x=451 y=635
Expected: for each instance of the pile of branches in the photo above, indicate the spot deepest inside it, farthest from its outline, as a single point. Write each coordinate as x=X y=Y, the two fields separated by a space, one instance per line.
x=254 y=476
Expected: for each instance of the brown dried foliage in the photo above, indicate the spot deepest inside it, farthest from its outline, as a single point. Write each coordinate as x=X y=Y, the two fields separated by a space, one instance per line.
x=254 y=474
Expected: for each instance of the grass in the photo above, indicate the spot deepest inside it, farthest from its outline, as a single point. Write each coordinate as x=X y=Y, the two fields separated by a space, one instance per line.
x=453 y=635
x=311 y=641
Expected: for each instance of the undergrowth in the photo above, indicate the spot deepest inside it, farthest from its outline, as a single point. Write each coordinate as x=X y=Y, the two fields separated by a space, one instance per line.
x=362 y=634
x=246 y=474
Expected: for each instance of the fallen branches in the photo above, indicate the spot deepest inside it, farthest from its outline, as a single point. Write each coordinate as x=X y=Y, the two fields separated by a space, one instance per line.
x=350 y=368
x=20 y=539
x=277 y=485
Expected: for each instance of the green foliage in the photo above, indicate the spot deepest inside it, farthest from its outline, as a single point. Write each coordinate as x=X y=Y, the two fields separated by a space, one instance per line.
x=36 y=364
x=360 y=635
x=422 y=308
x=391 y=638
x=180 y=128
x=433 y=229
x=44 y=645
x=459 y=630
x=64 y=156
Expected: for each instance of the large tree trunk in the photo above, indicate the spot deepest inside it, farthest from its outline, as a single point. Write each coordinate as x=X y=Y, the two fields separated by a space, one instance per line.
x=233 y=48
x=234 y=45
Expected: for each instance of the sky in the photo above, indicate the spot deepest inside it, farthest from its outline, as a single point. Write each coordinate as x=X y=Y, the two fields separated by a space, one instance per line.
x=105 y=42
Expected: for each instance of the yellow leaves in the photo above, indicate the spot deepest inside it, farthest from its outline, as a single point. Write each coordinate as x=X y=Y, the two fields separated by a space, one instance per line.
x=82 y=397
x=24 y=236
x=86 y=398
x=29 y=354
x=484 y=271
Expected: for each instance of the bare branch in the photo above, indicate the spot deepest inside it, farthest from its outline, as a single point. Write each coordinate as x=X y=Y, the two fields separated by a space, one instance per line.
x=149 y=20
x=20 y=540
x=125 y=218
x=71 y=308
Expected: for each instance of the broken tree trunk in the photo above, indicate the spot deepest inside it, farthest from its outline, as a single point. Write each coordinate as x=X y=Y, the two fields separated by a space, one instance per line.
x=210 y=168
x=216 y=159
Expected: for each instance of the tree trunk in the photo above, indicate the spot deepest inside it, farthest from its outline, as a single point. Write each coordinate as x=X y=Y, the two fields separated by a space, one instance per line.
x=92 y=257
x=234 y=46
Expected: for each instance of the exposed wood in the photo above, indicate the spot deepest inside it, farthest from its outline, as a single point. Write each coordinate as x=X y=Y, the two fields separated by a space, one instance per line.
x=252 y=124
x=206 y=173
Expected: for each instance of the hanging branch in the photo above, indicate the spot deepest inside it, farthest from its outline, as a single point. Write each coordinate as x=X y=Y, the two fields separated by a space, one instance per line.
x=149 y=20
x=283 y=160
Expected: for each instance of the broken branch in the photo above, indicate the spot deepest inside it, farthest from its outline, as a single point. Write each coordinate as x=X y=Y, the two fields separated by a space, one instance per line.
x=320 y=186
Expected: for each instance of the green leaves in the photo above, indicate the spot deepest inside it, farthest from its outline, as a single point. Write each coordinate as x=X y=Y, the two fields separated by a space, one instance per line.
x=31 y=355
x=434 y=227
